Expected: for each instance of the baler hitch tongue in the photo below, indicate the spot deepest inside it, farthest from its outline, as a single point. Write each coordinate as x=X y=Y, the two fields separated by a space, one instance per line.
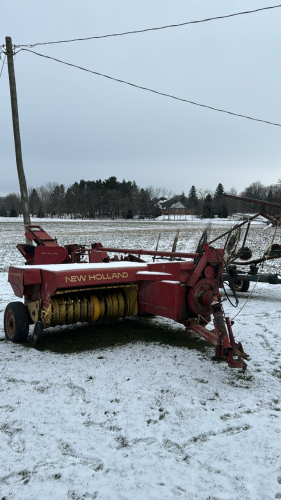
x=227 y=346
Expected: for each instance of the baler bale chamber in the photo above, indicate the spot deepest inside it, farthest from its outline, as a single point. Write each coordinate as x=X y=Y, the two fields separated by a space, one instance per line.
x=67 y=285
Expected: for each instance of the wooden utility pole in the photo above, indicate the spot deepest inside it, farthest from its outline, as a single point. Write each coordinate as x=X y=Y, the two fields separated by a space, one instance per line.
x=16 y=127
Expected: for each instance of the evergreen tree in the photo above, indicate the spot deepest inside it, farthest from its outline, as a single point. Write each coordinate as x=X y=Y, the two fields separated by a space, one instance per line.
x=270 y=196
x=266 y=208
x=192 y=196
x=34 y=202
x=183 y=198
x=111 y=183
x=220 y=203
x=13 y=212
x=144 y=203
x=156 y=211
x=207 y=207
x=224 y=210
x=3 y=212
x=219 y=191
x=130 y=214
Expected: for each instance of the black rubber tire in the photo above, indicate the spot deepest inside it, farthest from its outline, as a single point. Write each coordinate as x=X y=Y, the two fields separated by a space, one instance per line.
x=16 y=322
x=37 y=333
x=241 y=286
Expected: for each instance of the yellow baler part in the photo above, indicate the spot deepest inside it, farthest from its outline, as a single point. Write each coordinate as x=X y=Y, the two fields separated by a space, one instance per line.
x=47 y=317
x=90 y=307
x=96 y=308
x=107 y=303
x=115 y=305
x=62 y=310
x=131 y=295
x=55 y=320
x=34 y=309
x=69 y=310
x=76 y=306
x=101 y=300
x=121 y=304
x=83 y=308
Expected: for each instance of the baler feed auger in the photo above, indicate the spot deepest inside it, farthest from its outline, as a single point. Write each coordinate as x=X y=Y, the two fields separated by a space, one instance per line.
x=65 y=285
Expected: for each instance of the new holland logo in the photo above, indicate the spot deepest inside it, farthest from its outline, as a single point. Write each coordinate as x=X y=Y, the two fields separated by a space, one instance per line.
x=96 y=277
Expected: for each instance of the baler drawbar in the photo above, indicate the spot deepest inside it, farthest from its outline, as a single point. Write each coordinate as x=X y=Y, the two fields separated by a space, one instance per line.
x=65 y=285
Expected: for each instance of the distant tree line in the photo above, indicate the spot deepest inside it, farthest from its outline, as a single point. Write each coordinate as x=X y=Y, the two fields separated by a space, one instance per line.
x=208 y=204
x=88 y=199
x=113 y=199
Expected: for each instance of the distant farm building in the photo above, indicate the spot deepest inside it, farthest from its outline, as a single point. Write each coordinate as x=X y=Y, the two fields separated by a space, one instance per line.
x=172 y=208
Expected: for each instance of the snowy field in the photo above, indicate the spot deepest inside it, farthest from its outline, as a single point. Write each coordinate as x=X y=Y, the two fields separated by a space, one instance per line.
x=139 y=409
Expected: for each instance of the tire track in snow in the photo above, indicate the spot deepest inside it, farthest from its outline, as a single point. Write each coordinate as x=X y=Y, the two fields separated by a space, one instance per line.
x=94 y=463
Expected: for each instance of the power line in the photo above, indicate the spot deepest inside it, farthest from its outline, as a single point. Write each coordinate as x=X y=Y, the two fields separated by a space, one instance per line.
x=154 y=91
x=154 y=29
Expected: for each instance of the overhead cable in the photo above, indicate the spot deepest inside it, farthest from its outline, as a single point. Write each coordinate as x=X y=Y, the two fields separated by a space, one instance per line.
x=154 y=29
x=153 y=91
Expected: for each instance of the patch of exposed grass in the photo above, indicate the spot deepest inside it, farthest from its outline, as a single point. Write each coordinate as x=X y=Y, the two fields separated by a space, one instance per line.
x=91 y=337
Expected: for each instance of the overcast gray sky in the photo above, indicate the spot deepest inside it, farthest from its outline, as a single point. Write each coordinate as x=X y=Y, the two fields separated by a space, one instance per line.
x=76 y=125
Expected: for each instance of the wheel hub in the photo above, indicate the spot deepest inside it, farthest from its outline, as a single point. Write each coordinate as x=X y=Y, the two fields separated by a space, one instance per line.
x=10 y=324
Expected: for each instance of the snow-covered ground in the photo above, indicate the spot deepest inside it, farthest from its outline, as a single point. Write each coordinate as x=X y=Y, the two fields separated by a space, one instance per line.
x=139 y=410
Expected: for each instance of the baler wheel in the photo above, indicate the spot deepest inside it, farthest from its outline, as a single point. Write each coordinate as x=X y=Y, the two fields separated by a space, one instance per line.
x=37 y=333
x=16 y=322
x=240 y=285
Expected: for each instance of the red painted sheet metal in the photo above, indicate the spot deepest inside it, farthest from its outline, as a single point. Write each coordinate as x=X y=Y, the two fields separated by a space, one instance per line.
x=163 y=298
x=37 y=233
x=15 y=278
x=154 y=276
x=48 y=287
x=181 y=270
x=50 y=255
x=105 y=275
x=31 y=276
x=80 y=277
x=15 y=275
x=139 y=252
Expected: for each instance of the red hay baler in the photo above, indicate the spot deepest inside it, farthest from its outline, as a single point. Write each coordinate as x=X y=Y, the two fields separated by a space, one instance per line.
x=65 y=285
